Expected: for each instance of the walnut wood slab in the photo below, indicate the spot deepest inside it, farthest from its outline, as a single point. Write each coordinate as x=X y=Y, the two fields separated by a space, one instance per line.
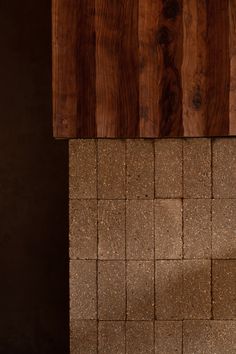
x=144 y=68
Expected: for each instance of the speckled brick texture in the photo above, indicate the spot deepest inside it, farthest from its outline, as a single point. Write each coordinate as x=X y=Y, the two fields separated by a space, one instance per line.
x=153 y=246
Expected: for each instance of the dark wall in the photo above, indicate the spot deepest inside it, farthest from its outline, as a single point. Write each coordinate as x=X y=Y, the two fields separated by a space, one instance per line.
x=33 y=188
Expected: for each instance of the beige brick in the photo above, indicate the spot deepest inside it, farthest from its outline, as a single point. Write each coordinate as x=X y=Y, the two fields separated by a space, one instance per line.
x=197 y=337
x=111 y=169
x=140 y=169
x=111 y=337
x=83 y=298
x=168 y=229
x=224 y=168
x=111 y=290
x=197 y=228
x=224 y=289
x=168 y=168
x=140 y=229
x=111 y=229
x=140 y=290
x=83 y=229
x=139 y=337
x=168 y=337
x=169 y=290
x=196 y=289
x=82 y=169
x=197 y=168
x=223 y=337
x=224 y=228
x=83 y=337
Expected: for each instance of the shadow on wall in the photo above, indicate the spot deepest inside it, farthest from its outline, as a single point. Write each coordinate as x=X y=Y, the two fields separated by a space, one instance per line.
x=33 y=189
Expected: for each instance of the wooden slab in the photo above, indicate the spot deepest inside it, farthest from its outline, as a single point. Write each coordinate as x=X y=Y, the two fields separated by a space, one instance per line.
x=144 y=68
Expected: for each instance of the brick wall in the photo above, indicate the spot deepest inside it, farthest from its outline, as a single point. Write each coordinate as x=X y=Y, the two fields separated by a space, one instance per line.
x=153 y=246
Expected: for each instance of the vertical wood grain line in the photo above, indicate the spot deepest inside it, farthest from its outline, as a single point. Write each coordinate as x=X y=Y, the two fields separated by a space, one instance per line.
x=169 y=40
x=149 y=68
x=232 y=49
x=218 y=80
x=64 y=81
x=86 y=69
x=194 y=68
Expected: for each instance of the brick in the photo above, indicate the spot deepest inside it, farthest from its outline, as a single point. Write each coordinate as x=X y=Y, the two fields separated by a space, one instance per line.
x=140 y=169
x=139 y=337
x=168 y=229
x=168 y=337
x=169 y=291
x=140 y=290
x=197 y=168
x=224 y=337
x=111 y=229
x=197 y=228
x=83 y=337
x=224 y=228
x=197 y=289
x=140 y=229
x=197 y=337
x=83 y=229
x=83 y=298
x=224 y=168
x=224 y=289
x=111 y=169
x=111 y=290
x=111 y=337
x=168 y=168
x=83 y=169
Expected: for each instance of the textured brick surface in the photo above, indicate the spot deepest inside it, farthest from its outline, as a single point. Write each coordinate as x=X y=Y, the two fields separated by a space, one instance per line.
x=224 y=168
x=111 y=290
x=111 y=229
x=111 y=337
x=197 y=168
x=140 y=169
x=197 y=337
x=223 y=337
x=83 y=337
x=140 y=290
x=168 y=337
x=83 y=229
x=224 y=289
x=168 y=168
x=111 y=169
x=139 y=337
x=140 y=229
x=224 y=228
x=83 y=169
x=168 y=229
x=197 y=228
x=83 y=292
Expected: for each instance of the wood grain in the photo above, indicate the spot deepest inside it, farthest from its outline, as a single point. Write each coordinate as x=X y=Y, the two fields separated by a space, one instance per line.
x=232 y=49
x=117 y=68
x=218 y=81
x=170 y=44
x=64 y=38
x=86 y=69
x=194 y=67
x=149 y=68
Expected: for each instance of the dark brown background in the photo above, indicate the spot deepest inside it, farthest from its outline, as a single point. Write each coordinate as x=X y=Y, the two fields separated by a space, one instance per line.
x=33 y=189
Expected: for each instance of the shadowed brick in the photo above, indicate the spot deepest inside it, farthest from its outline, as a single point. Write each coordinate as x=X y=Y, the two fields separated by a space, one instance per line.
x=140 y=290
x=111 y=290
x=168 y=168
x=197 y=168
x=111 y=169
x=140 y=169
x=168 y=229
x=111 y=229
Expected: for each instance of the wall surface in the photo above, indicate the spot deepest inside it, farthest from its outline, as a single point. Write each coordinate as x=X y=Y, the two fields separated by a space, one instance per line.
x=153 y=246
x=33 y=189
